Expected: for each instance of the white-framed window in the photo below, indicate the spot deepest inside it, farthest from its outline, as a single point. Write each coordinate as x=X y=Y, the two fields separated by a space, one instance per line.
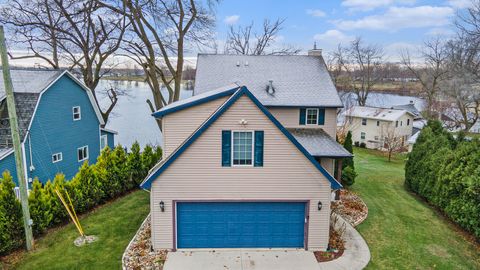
x=242 y=148
x=396 y=123
x=103 y=141
x=376 y=138
x=408 y=122
x=77 y=113
x=364 y=121
x=311 y=116
x=363 y=135
x=378 y=123
x=401 y=123
x=57 y=157
x=82 y=153
x=16 y=190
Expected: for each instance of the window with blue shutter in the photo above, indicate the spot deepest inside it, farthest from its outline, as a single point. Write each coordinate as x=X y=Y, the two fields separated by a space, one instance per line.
x=303 y=113
x=321 y=116
x=258 y=148
x=226 y=148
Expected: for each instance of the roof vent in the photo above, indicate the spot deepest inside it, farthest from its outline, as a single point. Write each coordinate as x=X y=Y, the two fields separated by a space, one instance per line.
x=238 y=63
x=246 y=63
x=270 y=89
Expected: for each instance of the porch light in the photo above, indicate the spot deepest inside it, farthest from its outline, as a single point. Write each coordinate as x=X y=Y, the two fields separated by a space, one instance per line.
x=319 y=206
x=162 y=206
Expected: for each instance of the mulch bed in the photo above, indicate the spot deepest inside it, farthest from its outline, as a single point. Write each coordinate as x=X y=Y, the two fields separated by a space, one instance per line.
x=351 y=207
x=140 y=254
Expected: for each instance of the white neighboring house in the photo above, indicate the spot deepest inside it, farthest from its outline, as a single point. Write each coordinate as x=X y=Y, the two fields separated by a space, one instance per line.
x=375 y=126
x=476 y=127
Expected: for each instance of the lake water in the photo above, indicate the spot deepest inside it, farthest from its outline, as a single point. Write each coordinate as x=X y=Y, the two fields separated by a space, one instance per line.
x=132 y=118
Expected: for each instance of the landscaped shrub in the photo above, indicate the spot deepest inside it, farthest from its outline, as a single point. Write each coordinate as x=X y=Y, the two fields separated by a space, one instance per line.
x=348 y=176
x=357 y=144
x=11 y=223
x=363 y=145
x=347 y=144
x=115 y=173
x=40 y=208
x=446 y=173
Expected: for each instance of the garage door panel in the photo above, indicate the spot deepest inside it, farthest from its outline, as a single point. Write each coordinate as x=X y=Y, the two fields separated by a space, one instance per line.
x=240 y=224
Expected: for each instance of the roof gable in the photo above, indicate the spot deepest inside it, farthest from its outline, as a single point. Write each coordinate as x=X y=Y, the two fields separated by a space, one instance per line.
x=163 y=165
x=298 y=80
x=29 y=86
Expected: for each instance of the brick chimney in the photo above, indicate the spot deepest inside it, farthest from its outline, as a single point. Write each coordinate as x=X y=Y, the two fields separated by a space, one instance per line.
x=315 y=51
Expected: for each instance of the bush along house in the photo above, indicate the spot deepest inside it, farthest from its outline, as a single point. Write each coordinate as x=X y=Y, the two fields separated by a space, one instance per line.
x=249 y=158
x=60 y=124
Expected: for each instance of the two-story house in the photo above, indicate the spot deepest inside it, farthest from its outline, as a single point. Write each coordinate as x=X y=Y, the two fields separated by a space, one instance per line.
x=249 y=159
x=60 y=124
x=372 y=125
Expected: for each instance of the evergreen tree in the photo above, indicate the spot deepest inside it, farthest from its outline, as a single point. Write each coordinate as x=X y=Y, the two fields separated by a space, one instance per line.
x=40 y=209
x=11 y=223
x=348 y=145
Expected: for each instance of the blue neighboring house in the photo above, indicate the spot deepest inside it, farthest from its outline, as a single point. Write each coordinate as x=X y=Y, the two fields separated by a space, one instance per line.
x=60 y=124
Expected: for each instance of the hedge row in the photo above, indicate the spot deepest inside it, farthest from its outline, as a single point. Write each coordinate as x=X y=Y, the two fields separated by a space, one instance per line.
x=446 y=172
x=115 y=173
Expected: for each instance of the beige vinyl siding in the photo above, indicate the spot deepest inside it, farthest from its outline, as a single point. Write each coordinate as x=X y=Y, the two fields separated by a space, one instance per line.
x=198 y=175
x=328 y=164
x=290 y=118
x=178 y=126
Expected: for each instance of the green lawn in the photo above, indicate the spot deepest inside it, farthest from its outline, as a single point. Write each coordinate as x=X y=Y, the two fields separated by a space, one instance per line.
x=401 y=230
x=114 y=224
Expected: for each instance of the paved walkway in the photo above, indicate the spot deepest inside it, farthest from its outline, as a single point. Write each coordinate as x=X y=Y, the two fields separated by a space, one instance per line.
x=241 y=260
x=356 y=254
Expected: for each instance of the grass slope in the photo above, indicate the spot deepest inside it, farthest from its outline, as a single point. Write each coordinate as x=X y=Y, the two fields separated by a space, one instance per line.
x=402 y=231
x=114 y=224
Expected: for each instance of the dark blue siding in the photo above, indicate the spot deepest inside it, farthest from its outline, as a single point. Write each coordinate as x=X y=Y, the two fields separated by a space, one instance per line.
x=8 y=164
x=240 y=225
x=53 y=130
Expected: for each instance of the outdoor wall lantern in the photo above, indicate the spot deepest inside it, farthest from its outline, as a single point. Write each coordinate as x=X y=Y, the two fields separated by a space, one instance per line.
x=319 y=206
x=162 y=206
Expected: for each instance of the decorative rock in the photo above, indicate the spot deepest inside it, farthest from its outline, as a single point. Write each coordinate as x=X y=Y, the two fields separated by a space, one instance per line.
x=139 y=254
x=82 y=240
x=351 y=207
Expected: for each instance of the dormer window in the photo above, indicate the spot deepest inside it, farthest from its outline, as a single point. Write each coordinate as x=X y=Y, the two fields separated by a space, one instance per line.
x=77 y=114
x=312 y=116
x=364 y=121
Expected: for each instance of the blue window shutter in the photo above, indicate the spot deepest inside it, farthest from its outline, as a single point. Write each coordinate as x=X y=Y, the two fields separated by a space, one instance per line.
x=258 y=148
x=226 y=148
x=321 y=116
x=302 y=116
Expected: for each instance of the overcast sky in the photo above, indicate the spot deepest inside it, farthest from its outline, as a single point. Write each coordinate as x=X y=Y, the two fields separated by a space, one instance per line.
x=393 y=24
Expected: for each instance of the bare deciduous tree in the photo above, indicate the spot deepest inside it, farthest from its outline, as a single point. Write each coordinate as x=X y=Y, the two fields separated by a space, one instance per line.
x=244 y=40
x=361 y=65
x=392 y=142
x=82 y=33
x=160 y=34
x=430 y=73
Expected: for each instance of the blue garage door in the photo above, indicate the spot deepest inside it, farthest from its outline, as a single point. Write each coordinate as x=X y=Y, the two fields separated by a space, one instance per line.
x=240 y=225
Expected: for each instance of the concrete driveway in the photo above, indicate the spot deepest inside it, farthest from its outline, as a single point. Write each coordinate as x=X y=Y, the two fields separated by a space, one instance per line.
x=241 y=260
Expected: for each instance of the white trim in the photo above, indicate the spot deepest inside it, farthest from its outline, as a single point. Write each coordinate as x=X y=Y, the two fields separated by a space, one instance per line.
x=253 y=148
x=7 y=153
x=90 y=96
x=84 y=158
x=25 y=170
x=60 y=157
x=79 y=113
x=82 y=85
x=306 y=116
x=106 y=141
x=110 y=130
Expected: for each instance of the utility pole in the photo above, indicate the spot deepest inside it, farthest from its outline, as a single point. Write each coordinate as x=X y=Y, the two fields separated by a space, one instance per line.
x=12 y=115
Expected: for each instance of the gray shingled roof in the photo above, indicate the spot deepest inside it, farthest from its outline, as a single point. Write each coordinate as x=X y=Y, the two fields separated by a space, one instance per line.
x=318 y=143
x=30 y=81
x=410 y=108
x=27 y=86
x=299 y=80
